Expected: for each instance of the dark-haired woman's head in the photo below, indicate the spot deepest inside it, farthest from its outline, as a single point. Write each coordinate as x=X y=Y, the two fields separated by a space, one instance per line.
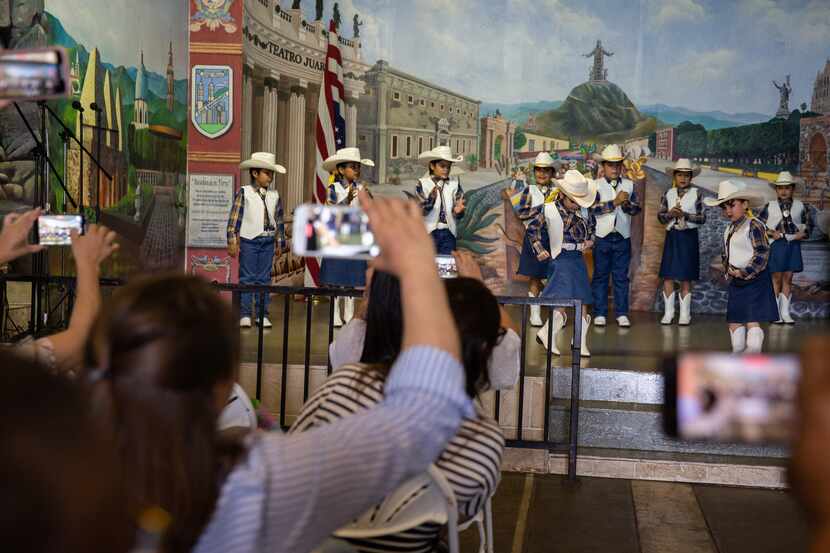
x=62 y=489
x=475 y=310
x=166 y=351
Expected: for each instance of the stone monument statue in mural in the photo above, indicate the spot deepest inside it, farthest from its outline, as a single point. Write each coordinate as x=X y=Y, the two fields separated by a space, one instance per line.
x=357 y=23
x=338 y=19
x=784 y=91
x=319 y=10
x=598 y=73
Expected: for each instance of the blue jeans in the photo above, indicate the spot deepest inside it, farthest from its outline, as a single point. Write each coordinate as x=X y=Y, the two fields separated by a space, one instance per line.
x=612 y=256
x=255 y=259
x=444 y=241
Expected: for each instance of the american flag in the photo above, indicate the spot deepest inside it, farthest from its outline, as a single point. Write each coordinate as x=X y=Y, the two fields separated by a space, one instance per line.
x=330 y=130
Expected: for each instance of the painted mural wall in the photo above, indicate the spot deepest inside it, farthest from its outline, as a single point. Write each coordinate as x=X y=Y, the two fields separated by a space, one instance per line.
x=130 y=61
x=742 y=88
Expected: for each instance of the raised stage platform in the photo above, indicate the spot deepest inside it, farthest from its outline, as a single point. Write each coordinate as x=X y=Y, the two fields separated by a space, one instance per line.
x=620 y=425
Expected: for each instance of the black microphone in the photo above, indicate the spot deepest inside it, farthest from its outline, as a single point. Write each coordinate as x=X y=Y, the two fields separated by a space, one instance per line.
x=94 y=107
x=76 y=105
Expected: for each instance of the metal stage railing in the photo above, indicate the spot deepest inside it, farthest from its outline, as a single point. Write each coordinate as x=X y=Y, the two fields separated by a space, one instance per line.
x=288 y=293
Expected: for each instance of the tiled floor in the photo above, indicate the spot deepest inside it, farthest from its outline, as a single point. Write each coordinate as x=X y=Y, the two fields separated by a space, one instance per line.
x=545 y=513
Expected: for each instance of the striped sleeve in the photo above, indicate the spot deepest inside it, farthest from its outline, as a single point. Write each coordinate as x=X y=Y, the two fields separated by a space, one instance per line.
x=472 y=463
x=308 y=484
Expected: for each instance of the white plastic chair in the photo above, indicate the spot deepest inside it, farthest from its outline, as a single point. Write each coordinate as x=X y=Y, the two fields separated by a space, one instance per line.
x=484 y=522
x=422 y=499
x=238 y=412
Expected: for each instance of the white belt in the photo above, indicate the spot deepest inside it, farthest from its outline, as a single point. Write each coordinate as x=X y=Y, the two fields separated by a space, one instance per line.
x=267 y=233
x=789 y=237
x=568 y=247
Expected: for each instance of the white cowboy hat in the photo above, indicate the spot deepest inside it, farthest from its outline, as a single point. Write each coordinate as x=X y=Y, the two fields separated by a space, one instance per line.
x=784 y=179
x=611 y=153
x=544 y=159
x=735 y=190
x=683 y=164
x=578 y=188
x=439 y=153
x=263 y=160
x=345 y=155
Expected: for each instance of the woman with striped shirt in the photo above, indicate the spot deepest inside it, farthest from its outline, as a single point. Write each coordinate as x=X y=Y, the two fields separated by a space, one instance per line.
x=472 y=459
x=165 y=353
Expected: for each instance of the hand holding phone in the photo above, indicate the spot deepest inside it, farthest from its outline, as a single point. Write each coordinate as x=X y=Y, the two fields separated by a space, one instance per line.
x=14 y=235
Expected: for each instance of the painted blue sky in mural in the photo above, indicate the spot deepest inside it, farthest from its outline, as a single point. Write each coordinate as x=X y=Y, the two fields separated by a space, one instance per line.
x=699 y=54
x=153 y=24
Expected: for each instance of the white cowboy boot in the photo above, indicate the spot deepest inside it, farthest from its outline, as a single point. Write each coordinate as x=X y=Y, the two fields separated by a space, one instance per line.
x=685 y=310
x=754 y=340
x=738 y=339
x=778 y=301
x=668 y=309
x=535 y=312
x=348 y=309
x=784 y=309
x=586 y=322
x=338 y=322
x=542 y=335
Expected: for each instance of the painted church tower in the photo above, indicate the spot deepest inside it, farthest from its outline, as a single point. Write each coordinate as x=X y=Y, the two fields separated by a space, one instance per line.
x=141 y=117
x=75 y=75
x=170 y=79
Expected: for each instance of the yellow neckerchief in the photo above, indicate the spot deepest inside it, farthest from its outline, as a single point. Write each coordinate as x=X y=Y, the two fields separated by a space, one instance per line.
x=552 y=196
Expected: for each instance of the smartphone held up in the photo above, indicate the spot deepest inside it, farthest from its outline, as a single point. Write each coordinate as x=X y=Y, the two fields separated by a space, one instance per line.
x=724 y=397
x=37 y=74
x=333 y=231
x=56 y=230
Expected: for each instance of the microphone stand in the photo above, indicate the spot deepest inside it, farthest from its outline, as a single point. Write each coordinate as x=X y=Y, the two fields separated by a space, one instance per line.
x=80 y=144
x=39 y=147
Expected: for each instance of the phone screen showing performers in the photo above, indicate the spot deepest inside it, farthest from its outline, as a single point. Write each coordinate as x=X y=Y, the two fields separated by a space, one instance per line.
x=333 y=231
x=55 y=230
x=34 y=74
x=731 y=398
x=447 y=267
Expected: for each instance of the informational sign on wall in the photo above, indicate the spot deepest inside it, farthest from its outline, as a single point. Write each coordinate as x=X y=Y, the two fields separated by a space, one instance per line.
x=210 y=199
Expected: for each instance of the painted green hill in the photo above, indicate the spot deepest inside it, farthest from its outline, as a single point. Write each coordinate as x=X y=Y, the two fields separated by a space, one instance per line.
x=596 y=111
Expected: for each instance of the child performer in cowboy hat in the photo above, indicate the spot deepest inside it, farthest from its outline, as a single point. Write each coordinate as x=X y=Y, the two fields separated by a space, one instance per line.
x=347 y=273
x=442 y=198
x=254 y=225
x=745 y=255
x=681 y=211
x=788 y=223
x=569 y=235
x=531 y=196
x=615 y=206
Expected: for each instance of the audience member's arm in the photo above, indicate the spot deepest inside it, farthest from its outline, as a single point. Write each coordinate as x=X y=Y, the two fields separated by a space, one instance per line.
x=89 y=250
x=15 y=233
x=316 y=481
